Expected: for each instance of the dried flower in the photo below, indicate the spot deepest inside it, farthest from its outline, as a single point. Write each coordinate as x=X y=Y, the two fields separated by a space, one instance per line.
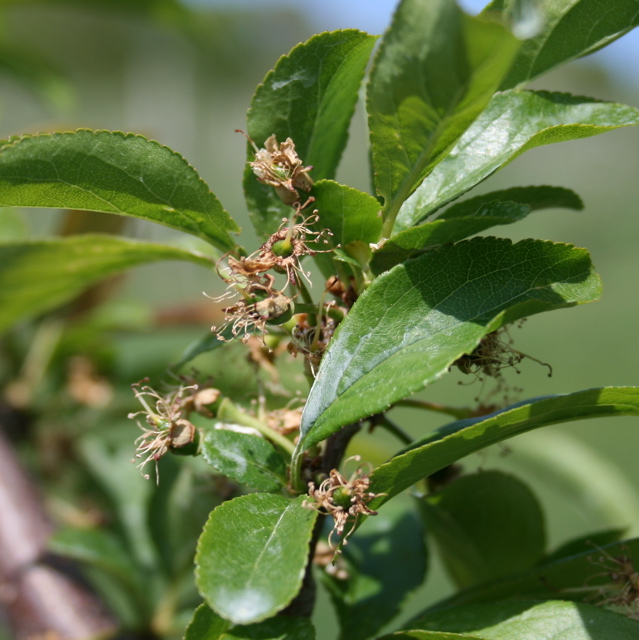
x=311 y=340
x=284 y=249
x=285 y=421
x=166 y=429
x=493 y=354
x=621 y=594
x=280 y=167
x=254 y=314
x=344 y=499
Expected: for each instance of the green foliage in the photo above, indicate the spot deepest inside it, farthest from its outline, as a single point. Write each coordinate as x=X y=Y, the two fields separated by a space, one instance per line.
x=39 y=275
x=467 y=519
x=384 y=563
x=112 y=172
x=259 y=495
x=552 y=619
x=430 y=454
x=410 y=328
x=273 y=533
x=250 y=460
x=435 y=71
x=310 y=97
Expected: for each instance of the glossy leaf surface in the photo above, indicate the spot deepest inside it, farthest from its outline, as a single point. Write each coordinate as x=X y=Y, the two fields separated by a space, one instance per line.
x=252 y=555
x=568 y=29
x=468 y=517
x=116 y=173
x=351 y=215
x=435 y=71
x=513 y=122
x=310 y=97
x=415 y=320
x=537 y=197
x=553 y=620
x=385 y=561
x=248 y=459
x=456 y=440
x=416 y=240
x=39 y=275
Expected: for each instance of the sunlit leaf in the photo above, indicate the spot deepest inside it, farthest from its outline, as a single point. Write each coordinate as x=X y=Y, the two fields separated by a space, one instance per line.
x=112 y=172
x=252 y=555
x=458 y=439
x=513 y=122
x=562 y=30
x=537 y=197
x=248 y=459
x=414 y=241
x=435 y=71
x=415 y=320
x=310 y=97
x=556 y=620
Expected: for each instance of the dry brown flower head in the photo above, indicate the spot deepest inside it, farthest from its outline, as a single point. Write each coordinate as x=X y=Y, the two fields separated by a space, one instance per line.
x=345 y=499
x=621 y=594
x=279 y=166
x=166 y=428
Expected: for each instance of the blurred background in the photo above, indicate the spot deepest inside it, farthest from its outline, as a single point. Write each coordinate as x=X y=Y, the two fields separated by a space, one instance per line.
x=183 y=73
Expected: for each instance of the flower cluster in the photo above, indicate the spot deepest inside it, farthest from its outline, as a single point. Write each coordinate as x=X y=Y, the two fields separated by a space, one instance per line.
x=167 y=430
x=260 y=302
x=621 y=593
x=345 y=499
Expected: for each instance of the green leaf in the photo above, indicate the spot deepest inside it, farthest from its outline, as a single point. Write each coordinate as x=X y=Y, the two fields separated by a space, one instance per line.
x=248 y=459
x=427 y=635
x=412 y=242
x=278 y=628
x=531 y=620
x=586 y=542
x=40 y=275
x=310 y=97
x=467 y=519
x=351 y=215
x=584 y=576
x=435 y=71
x=354 y=219
x=116 y=173
x=385 y=561
x=252 y=555
x=415 y=320
x=568 y=29
x=206 y=625
x=542 y=197
x=458 y=439
x=513 y=122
